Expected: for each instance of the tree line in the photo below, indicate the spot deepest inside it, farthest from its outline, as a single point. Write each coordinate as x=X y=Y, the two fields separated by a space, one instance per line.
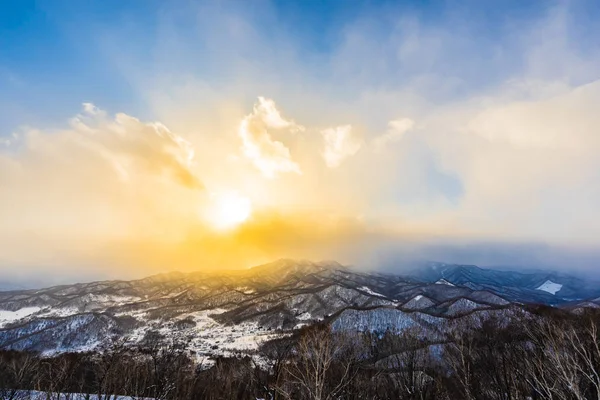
x=544 y=354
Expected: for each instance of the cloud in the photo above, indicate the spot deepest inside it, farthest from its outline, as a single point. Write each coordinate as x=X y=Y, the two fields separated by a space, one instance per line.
x=270 y=156
x=129 y=144
x=527 y=163
x=339 y=145
x=506 y=149
x=9 y=140
x=504 y=122
x=396 y=130
x=561 y=121
x=67 y=192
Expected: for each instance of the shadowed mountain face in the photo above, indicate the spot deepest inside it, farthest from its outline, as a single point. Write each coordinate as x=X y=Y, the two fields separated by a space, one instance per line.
x=540 y=286
x=235 y=311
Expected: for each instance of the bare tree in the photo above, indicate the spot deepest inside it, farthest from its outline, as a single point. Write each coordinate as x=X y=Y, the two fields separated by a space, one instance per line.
x=564 y=360
x=406 y=364
x=460 y=356
x=321 y=366
x=17 y=372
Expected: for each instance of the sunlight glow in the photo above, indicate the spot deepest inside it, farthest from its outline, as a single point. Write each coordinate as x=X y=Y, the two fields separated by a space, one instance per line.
x=229 y=210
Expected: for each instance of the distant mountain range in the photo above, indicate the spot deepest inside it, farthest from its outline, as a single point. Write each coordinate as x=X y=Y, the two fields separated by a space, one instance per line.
x=8 y=286
x=235 y=311
x=532 y=287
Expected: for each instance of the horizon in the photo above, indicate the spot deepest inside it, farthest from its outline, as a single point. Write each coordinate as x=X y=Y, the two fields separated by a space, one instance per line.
x=145 y=138
x=402 y=272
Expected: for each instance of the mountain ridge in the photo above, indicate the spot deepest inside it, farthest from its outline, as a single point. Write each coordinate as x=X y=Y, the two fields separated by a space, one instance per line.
x=229 y=312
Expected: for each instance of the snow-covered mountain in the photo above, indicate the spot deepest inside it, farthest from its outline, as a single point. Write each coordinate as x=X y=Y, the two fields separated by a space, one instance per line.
x=235 y=311
x=541 y=286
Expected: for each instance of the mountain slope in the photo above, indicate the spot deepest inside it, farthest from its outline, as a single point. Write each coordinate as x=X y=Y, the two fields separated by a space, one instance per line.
x=235 y=311
x=542 y=287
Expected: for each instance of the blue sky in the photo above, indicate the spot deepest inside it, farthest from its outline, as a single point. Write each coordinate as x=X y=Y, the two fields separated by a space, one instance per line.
x=57 y=54
x=467 y=122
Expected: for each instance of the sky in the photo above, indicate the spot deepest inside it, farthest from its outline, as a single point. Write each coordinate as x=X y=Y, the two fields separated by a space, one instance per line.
x=146 y=136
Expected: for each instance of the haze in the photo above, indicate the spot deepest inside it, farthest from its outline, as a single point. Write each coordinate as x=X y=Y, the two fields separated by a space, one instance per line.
x=141 y=137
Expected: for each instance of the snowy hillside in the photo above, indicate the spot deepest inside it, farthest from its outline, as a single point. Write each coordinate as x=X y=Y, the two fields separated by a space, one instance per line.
x=229 y=313
x=550 y=287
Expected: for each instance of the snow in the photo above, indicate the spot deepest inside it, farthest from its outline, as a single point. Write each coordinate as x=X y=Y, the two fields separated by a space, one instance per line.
x=172 y=295
x=39 y=395
x=304 y=316
x=59 y=312
x=462 y=306
x=245 y=290
x=371 y=292
x=7 y=317
x=208 y=337
x=443 y=282
x=418 y=302
x=383 y=319
x=550 y=287
x=111 y=299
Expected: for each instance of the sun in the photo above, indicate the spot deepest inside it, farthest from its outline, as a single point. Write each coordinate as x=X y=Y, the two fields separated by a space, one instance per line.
x=229 y=210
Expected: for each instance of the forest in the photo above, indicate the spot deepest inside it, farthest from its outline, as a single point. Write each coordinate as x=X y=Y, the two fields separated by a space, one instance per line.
x=546 y=354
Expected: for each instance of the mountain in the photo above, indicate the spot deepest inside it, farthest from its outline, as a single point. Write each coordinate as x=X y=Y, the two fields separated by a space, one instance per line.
x=541 y=286
x=8 y=286
x=234 y=312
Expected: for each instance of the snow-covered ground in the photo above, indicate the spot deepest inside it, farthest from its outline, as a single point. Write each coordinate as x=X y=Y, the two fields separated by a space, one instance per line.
x=7 y=317
x=37 y=395
x=58 y=312
x=384 y=319
x=305 y=317
x=245 y=290
x=207 y=336
x=371 y=292
x=550 y=287
x=462 y=306
x=418 y=302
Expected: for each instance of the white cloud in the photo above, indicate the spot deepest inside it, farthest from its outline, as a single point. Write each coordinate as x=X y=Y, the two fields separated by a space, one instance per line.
x=527 y=166
x=396 y=130
x=91 y=109
x=126 y=141
x=562 y=121
x=9 y=141
x=270 y=156
x=339 y=144
x=101 y=177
